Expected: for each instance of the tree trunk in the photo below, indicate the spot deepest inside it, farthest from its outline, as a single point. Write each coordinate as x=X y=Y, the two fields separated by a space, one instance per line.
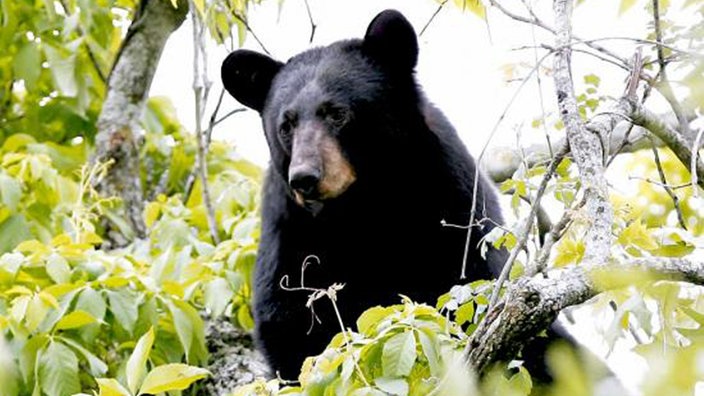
x=118 y=124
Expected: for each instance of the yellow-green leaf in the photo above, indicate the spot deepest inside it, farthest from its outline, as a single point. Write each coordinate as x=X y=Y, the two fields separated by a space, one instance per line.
x=200 y=6
x=137 y=363
x=75 y=320
x=151 y=213
x=175 y=376
x=399 y=354
x=367 y=322
x=110 y=387
x=636 y=234
x=625 y=6
x=474 y=6
x=569 y=251
x=32 y=246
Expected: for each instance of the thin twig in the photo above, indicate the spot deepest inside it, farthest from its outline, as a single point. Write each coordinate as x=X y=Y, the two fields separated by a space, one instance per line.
x=533 y=19
x=666 y=90
x=556 y=232
x=668 y=190
x=249 y=29
x=91 y=55
x=201 y=89
x=525 y=232
x=540 y=86
x=226 y=116
x=644 y=41
x=693 y=163
x=657 y=183
x=313 y=26
x=432 y=17
x=317 y=294
x=211 y=123
x=475 y=190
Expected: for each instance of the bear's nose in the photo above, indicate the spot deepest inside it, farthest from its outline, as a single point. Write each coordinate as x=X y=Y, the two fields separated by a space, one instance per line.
x=305 y=182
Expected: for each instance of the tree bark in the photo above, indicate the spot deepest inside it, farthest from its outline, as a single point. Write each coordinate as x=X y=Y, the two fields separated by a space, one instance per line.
x=532 y=304
x=127 y=92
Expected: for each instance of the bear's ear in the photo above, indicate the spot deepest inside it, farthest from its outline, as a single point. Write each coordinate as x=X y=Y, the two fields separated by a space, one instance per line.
x=390 y=38
x=247 y=76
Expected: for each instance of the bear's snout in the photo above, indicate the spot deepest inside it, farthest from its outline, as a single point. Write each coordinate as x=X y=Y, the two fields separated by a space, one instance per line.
x=304 y=181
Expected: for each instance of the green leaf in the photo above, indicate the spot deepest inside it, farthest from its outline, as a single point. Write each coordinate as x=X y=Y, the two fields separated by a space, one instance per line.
x=13 y=231
x=399 y=354
x=136 y=368
x=392 y=386
x=27 y=64
x=37 y=310
x=521 y=381
x=217 y=295
x=10 y=191
x=465 y=313
x=183 y=326
x=124 y=304
x=367 y=321
x=58 y=370
x=75 y=320
x=58 y=269
x=429 y=344
x=63 y=70
x=28 y=356
x=190 y=330
x=92 y=302
x=368 y=391
x=170 y=377
x=97 y=367
x=110 y=387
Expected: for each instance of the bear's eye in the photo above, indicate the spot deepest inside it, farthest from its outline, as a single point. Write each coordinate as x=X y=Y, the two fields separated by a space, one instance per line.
x=286 y=127
x=336 y=115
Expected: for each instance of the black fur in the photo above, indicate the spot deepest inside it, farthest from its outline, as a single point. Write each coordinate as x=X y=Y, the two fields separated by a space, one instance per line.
x=383 y=236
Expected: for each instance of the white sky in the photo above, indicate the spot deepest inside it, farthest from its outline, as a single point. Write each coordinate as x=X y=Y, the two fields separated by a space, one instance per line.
x=461 y=68
x=461 y=62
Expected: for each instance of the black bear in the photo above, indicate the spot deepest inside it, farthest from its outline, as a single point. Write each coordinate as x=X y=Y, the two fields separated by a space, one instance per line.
x=363 y=172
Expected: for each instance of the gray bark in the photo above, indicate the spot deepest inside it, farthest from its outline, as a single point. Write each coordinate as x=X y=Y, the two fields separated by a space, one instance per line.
x=585 y=144
x=532 y=304
x=127 y=92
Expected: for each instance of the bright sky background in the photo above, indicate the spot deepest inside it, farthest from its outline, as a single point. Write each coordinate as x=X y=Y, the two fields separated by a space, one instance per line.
x=462 y=68
x=462 y=62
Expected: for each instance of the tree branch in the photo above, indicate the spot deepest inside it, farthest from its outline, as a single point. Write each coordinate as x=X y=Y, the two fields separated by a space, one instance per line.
x=201 y=90
x=585 y=142
x=127 y=92
x=674 y=140
x=675 y=199
x=525 y=231
x=532 y=304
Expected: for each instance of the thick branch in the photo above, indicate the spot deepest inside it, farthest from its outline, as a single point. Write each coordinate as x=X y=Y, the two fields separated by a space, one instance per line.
x=506 y=160
x=585 y=143
x=532 y=304
x=128 y=88
x=675 y=141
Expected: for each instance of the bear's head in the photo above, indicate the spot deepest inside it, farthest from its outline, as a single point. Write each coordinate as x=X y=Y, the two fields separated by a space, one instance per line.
x=329 y=113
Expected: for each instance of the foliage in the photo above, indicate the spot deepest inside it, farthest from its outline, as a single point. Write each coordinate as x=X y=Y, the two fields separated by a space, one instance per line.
x=65 y=304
